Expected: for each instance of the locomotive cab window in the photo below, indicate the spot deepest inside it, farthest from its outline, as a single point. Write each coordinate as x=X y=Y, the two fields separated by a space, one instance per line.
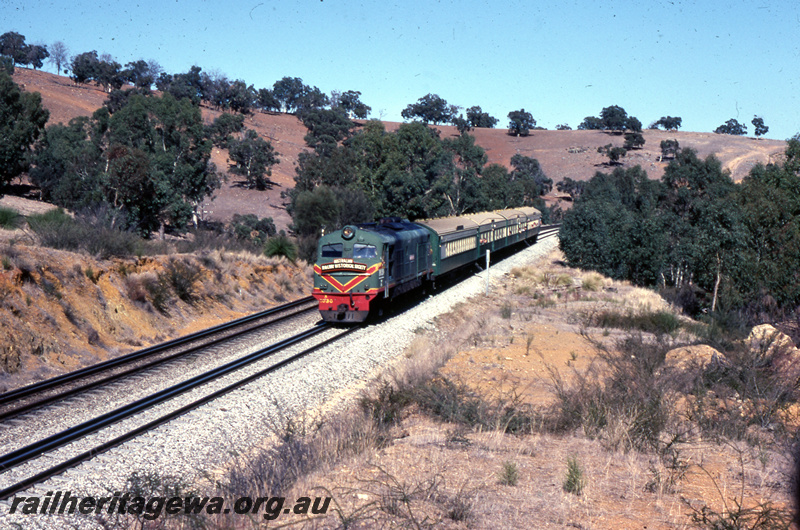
x=333 y=250
x=364 y=251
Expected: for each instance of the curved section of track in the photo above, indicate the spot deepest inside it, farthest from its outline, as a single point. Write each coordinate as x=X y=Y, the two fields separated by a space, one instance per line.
x=549 y=231
x=26 y=398
x=32 y=451
x=23 y=469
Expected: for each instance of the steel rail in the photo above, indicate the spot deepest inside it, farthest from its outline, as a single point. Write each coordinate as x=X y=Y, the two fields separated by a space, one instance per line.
x=49 y=384
x=99 y=382
x=91 y=453
x=23 y=454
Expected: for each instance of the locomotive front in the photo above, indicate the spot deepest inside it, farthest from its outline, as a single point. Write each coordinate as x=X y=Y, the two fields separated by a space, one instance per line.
x=349 y=273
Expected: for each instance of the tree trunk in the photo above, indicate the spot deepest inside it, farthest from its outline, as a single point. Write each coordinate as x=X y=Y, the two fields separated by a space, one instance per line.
x=716 y=284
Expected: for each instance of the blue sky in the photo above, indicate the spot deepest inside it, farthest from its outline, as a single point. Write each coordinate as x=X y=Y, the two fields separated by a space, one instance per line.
x=561 y=61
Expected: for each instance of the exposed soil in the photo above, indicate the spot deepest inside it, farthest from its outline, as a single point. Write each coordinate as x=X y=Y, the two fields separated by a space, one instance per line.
x=449 y=476
x=561 y=153
x=60 y=310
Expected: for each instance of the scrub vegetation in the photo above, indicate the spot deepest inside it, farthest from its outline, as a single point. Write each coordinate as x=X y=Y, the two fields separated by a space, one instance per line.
x=493 y=421
x=725 y=252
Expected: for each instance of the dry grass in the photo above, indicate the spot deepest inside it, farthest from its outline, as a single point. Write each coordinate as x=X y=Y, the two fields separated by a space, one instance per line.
x=458 y=434
x=457 y=453
x=111 y=305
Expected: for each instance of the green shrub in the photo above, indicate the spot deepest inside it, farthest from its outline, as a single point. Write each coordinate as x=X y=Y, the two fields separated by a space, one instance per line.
x=250 y=227
x=45 y=224
x=621 y=401
x=650 y=321
x=58 y=230
x=592 y=282
x=385 y=407
x=160 y=294
x=450 y=402
x=574 y=481
x=10 y=219
x=182 y=276
x=509 y=474
x=281 y=245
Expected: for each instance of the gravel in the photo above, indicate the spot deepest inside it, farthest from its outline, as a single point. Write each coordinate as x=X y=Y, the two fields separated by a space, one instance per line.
x=203 y=440
x=54 y=418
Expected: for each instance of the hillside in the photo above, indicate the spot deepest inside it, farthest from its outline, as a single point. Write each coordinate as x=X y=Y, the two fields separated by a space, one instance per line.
x=561 y=153
x=529 y=430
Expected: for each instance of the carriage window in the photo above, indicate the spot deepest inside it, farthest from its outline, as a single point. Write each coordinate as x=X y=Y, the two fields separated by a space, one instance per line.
x=364 y=251
x=332 y=251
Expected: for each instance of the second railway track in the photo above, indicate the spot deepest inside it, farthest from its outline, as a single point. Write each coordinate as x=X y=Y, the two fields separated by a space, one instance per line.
x=26 y=398
x=23 y=467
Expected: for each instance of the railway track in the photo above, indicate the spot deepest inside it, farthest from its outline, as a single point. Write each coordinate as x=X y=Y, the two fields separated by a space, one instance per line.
x=14 y=460
x=549 y=231
x=25 y=399
x=22 y=467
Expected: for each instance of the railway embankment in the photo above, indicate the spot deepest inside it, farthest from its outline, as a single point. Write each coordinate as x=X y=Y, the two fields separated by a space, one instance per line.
x=61 y=310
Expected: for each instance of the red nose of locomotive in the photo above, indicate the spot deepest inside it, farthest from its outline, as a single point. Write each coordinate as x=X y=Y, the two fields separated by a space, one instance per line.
x=346 y=276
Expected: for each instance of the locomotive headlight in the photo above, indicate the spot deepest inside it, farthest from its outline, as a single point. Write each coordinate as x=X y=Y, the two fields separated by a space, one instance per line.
x=348 y=232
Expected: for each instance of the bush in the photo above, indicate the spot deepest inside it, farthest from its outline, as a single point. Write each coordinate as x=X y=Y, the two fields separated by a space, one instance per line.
x=592 y=282
x=182 y=276
x=207 y=240
x=160 y=294
x=152 y=485
x=58 y=230
x=509 y=474
x=281 y=246
x=574 y=481
x=762 y=395
x=450 y=402
x=658 y=322
x=622 y=401
x=250 y=228
x=10 y=219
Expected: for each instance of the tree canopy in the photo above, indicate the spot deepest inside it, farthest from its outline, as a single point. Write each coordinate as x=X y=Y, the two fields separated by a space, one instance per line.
x=430 y=108
x=148 y=160
x=351 y=103
x=477 y=118
x=614 y=153
x=732 y=126
x=670 y=123
x=22 y=121
x=612 y=118
x=253 y=158
x=760 y=128
x=735 y=246
x=12 y=44
x=633 y=140
x=520 y=123
x=669 y=148
x=410 y=173
x=591 y=123
x=59 y=55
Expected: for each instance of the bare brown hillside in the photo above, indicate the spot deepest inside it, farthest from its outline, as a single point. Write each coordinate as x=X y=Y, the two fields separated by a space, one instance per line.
x=561 y=153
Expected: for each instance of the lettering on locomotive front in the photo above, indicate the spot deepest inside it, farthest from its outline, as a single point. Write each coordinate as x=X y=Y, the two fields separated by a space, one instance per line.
x=343 y=265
